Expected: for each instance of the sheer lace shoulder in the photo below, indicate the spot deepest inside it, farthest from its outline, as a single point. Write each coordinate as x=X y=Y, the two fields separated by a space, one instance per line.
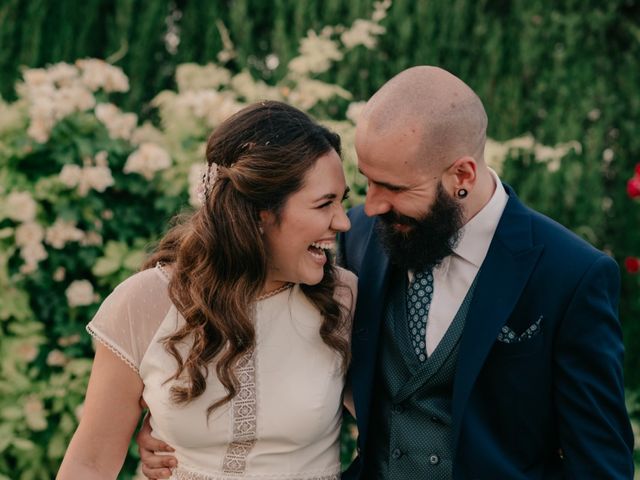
x=130 y=316
x=347 y=291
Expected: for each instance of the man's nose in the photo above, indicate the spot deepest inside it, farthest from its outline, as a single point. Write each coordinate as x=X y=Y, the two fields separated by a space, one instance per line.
x=375 y=203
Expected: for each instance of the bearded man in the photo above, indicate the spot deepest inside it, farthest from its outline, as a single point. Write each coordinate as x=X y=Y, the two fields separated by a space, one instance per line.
x=486 y=343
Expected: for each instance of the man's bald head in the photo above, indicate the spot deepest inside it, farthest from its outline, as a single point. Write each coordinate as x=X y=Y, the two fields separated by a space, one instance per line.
x=447 y=116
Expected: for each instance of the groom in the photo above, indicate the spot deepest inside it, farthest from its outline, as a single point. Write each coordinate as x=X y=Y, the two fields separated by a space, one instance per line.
x=486 y=343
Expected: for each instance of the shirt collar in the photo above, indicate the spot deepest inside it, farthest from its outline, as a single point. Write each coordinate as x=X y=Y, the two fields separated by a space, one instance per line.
x=477 y=233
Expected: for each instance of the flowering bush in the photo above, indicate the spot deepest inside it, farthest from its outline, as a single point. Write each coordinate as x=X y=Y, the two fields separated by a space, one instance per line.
x=85 y=189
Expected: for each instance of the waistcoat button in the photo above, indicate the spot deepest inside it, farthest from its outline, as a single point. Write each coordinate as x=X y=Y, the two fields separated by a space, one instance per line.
x=396 y=454
x=434 y=459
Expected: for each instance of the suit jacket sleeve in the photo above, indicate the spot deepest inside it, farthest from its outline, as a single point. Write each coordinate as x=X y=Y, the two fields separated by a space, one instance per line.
x=593 y=425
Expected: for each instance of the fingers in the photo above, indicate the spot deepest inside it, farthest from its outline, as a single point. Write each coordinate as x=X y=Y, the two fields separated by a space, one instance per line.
x=151 y=460
x=156 y=473
x=147 y=444
x=154 y=466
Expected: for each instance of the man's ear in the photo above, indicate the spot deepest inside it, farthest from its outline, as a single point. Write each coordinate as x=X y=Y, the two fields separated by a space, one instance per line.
x=462 y=174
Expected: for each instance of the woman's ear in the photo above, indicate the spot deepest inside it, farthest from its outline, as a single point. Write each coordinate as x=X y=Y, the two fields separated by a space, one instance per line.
x=267 y=220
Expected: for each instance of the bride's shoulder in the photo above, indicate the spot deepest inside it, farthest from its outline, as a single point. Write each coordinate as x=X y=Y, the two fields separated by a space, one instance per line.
x=347 y=288
x=150 y=284
x=347 y=277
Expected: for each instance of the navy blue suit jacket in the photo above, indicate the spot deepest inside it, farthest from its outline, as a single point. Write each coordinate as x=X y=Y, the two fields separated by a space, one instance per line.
x=548 y=407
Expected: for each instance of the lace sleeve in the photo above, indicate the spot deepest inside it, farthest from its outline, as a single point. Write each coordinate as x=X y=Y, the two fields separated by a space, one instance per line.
x=129 y=318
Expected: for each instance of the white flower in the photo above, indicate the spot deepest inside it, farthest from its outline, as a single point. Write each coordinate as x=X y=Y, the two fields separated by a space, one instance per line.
x=70 y=175
x=98 y=178
x=34 y=414
x=253 y=90
x=27 y=351
x=40 y=130
x=191 y=76
x=53 y=94
x=97 y=74
x=74 y=98
x=62 y=73
x=148 y=159
x=354 y=110
x=56 y=358
x=59 y=274
x=380 y=10
x=62 y=232
x=35 y=77
x=29 y=232
x=119 y=125
x=20 y=206
x=594 y=114
x=308 y=92
x=362 y=32
x=92 y=239
x=78 y=411
x=69 y=340
x=316 y=54
x=146 y=133
x=607 y=155
x=225 y=109
x=495 y=154
x=101 y=158
x=32 y=253
x=79 y=293
x=85 y=178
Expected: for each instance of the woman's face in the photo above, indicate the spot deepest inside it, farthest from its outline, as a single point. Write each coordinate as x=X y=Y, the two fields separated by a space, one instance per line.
x=308 y=224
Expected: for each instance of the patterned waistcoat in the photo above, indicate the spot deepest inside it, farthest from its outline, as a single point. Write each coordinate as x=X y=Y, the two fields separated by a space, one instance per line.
x=410 y=423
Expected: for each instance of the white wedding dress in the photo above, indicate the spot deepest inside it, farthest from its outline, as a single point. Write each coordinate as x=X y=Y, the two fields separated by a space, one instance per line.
x=283 y=424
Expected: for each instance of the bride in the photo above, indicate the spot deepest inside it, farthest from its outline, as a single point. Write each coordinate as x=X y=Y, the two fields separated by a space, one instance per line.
x=236 y=331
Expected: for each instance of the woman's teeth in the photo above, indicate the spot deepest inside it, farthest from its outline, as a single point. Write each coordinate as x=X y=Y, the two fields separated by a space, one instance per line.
x=323 y=245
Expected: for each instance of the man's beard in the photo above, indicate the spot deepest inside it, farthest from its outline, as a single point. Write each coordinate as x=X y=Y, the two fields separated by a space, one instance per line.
x=428 y=240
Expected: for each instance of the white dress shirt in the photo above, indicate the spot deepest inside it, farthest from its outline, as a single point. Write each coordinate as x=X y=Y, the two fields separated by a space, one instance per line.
x=453 y=277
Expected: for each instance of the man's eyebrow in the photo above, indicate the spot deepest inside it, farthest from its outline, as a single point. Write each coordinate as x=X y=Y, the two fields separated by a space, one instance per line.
x=389 y=186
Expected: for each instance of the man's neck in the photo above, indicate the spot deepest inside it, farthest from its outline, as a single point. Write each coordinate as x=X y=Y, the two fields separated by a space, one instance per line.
x=480 y=195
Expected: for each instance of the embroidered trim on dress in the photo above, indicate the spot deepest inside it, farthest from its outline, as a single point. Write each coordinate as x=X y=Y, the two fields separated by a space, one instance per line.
x=113 y=348
x=163 y=271
x=243 y=407
x=184 y=474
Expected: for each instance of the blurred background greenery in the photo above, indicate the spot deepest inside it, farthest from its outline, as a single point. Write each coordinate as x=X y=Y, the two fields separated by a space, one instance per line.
x=557 y=71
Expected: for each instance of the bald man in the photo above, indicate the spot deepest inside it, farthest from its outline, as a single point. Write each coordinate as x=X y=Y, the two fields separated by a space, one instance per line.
x=486 y=343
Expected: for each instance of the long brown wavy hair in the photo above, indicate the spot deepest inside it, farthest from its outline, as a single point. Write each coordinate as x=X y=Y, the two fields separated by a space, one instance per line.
x=217 y=255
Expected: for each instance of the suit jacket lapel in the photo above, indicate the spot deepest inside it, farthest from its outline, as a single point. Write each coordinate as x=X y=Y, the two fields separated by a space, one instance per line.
x=370 y=307
x=501 y=279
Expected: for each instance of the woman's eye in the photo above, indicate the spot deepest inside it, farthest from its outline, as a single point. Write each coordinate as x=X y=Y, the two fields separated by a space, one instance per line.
x=325 y=205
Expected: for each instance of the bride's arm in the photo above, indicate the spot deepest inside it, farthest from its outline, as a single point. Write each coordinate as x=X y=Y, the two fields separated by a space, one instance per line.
x=110 y=414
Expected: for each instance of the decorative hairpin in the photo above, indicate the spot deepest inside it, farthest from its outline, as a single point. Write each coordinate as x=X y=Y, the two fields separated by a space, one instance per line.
x=208 y=179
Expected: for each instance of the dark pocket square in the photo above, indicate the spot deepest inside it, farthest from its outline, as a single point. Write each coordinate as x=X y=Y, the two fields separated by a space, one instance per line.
x=507 y=335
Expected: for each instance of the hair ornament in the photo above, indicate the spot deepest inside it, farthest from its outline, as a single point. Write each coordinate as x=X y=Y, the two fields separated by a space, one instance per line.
x=208 y=179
